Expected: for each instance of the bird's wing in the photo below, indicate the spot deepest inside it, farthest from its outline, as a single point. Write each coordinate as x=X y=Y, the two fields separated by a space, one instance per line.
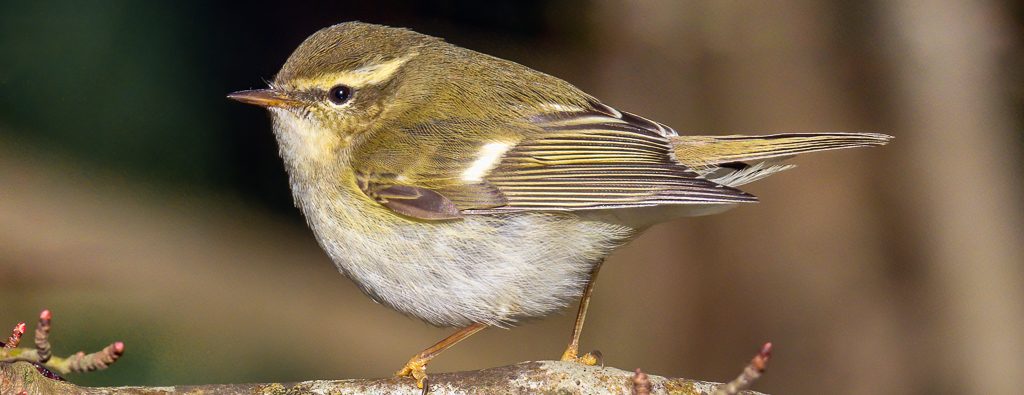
x=561 y=159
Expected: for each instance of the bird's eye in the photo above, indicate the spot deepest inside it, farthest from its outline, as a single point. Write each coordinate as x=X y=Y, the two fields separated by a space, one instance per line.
x=339 y=94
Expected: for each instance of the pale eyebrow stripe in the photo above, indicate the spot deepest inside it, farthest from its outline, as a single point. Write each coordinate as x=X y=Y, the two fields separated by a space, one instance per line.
x=361 y=77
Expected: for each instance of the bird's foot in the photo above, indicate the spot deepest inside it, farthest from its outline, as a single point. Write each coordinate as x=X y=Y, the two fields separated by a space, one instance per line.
x=590 y=359
x=415 y=368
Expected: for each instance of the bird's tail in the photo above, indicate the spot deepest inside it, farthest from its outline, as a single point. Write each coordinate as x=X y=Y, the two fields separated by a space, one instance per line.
x=737 y=160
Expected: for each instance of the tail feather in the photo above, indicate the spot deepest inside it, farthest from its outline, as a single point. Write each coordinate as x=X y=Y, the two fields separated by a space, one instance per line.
x=737 y=160
x=704 y=151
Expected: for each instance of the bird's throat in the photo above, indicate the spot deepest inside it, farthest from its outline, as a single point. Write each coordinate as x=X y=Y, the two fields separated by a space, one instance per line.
x=303 y=142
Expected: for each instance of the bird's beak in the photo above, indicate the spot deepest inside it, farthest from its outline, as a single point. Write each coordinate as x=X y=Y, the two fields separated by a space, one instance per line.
x=264 y=98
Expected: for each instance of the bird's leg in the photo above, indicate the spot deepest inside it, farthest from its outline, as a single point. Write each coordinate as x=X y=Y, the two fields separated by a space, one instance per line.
x=572 y=352
x=417 y=365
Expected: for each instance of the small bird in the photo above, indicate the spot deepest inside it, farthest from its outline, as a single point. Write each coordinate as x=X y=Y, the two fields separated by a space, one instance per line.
x=470 y=191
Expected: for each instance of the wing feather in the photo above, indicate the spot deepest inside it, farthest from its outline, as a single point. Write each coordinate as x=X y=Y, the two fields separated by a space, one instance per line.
x=599 y=158
x=564 y=159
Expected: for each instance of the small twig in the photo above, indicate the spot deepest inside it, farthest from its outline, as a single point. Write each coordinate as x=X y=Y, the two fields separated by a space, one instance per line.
x=42 y=358
x=750 y=373
x=12 y=342
x=43 y=336
x=641 y=383
x=82 y=362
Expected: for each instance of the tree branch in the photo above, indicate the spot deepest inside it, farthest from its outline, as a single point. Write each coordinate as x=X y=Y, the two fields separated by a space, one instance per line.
x=31 y=371
x=527 y=377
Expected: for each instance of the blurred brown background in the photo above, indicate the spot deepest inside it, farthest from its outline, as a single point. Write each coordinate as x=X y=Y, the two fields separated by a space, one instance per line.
x=140 y=205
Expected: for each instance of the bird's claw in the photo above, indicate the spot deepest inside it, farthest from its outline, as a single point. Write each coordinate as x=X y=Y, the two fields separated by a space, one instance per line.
x=415 y=368
x=590 y=359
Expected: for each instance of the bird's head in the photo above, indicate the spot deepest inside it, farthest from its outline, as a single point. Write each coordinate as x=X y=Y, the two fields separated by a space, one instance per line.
x=338 y=83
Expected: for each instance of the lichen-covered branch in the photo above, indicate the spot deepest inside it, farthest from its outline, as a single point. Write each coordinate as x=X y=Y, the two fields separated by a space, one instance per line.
x=546 y=377
x=31 y=371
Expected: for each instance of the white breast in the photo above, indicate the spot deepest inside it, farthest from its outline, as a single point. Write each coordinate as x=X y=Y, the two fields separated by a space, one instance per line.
x=482 y=269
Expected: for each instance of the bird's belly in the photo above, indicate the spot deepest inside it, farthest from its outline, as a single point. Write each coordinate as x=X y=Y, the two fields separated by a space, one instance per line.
x=481 y=269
